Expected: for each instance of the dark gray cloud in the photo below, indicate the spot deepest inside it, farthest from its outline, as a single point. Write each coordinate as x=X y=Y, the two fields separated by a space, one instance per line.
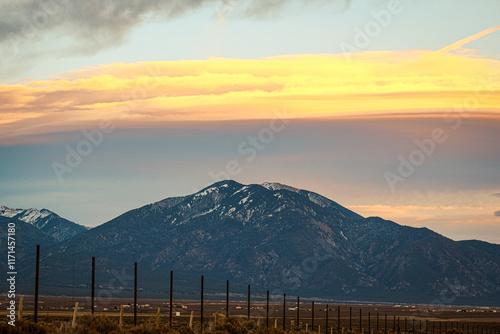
x=101 y=24
x=33 y=29
x=496 y=195
x=497 y=213
x=96 y=24
x=269 y=8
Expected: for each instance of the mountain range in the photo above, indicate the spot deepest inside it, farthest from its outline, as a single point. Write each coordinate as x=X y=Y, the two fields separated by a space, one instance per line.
x=46 y=221
x=294 y=241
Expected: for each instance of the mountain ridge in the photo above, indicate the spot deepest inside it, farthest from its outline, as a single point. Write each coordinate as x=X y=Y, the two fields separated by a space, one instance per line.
x=45 y=220
x=487 y=247
x=288 y=239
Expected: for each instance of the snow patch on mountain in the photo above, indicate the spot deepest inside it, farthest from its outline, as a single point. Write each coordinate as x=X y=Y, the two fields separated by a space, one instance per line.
x=9 y=212
x=278 y=186
x=243 y=200
x=46 y=221
x=28 y=216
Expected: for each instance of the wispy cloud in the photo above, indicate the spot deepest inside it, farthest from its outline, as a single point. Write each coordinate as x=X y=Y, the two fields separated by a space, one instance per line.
x=469 y=39
x=414 y=211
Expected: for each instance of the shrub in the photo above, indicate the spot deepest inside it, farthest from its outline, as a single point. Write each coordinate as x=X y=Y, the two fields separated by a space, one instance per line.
x=271 y=330
x=23 y=327
x=230 y=325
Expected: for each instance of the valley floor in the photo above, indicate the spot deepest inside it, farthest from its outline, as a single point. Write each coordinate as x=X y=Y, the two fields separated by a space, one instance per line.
x=57 y=313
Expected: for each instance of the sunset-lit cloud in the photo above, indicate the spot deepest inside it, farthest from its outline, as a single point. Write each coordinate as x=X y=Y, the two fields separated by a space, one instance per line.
x=138 y=94
x=419 y=213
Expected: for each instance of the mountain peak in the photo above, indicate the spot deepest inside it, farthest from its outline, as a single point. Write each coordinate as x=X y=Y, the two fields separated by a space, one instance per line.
x=221 y=184
x=230 y=187
x=45 y=220
x=291 y=239
x=231 y=183
x=278 y=186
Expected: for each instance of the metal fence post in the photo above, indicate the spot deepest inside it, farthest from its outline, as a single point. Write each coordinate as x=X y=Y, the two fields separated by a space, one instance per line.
x=171 y=295
x=284 y=311
x=92 y=305
x=135 y=294
x=37 y=279
x=267 y=310
x=201 y=303
x=227 y=298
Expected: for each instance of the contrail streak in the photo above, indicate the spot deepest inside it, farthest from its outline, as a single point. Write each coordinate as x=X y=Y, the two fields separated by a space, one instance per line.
x=469 y=39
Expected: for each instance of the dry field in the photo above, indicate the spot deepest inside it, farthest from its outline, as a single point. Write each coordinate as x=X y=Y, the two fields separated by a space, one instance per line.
x=417 y=317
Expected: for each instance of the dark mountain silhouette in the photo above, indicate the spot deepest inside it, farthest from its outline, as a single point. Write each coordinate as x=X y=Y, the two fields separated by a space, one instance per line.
x=26 y=235
x=493 y=249
x=278 y=237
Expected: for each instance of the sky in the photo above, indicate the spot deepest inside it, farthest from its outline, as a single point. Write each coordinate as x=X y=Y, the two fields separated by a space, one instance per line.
x=390 y=108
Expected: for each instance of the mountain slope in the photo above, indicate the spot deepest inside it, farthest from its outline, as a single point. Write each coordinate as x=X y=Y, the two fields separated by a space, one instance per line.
x=493 y=249
x=26 y=237
x=291 y=240
x=46 y=221
x=418 y=258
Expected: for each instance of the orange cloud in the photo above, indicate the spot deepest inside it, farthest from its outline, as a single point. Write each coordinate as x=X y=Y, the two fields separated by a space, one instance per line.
x=138 y=94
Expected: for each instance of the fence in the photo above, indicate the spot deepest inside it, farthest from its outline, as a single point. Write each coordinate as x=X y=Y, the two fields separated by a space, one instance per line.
x=103 y=284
